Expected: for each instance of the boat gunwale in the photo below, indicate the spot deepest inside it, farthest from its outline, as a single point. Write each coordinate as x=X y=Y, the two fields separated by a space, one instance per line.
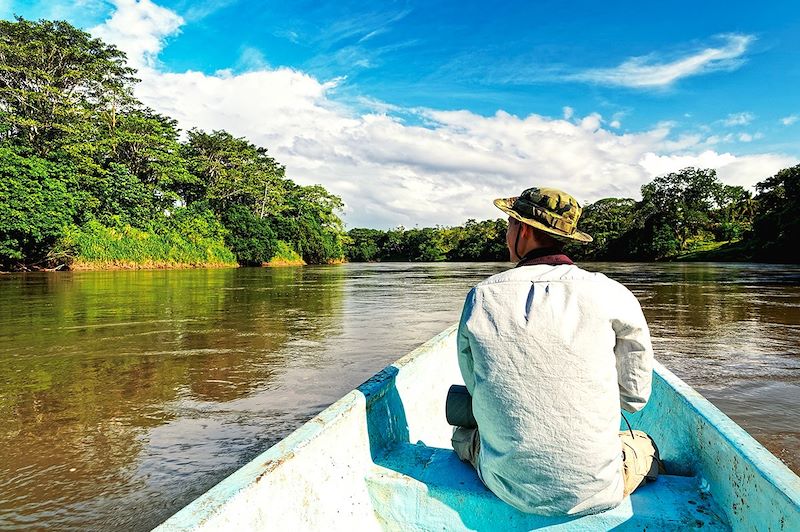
x=768 y=466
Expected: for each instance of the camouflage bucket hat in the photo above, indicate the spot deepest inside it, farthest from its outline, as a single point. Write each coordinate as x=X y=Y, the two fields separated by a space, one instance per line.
x=551 y=210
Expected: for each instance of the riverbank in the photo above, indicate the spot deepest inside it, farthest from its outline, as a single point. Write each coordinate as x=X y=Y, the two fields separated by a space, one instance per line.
x=100 y=248
x=737 y=251
x=114 y=265
x=99 y=266
x=733 y=252
x=280 y=263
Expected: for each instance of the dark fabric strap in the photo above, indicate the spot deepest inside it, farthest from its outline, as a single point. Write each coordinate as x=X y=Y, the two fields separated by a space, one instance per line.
x=549 y=256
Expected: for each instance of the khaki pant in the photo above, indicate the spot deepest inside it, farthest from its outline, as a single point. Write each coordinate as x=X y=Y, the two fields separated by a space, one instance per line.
x=467 y=444
x=640 y=461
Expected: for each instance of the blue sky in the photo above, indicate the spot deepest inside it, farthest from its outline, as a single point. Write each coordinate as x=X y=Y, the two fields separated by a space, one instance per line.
x=399 y=106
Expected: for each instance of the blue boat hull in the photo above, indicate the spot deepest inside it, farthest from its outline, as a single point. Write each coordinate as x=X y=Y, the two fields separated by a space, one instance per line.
x=380 y=459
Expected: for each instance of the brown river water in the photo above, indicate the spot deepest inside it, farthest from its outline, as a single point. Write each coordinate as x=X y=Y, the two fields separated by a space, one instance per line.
x=125 y=395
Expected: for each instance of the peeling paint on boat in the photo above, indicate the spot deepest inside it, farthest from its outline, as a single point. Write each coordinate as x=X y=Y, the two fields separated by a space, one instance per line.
x=380 y=459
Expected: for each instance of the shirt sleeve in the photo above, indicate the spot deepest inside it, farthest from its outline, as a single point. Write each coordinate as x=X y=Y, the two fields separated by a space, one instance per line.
x=633 y=351
x=465 y=362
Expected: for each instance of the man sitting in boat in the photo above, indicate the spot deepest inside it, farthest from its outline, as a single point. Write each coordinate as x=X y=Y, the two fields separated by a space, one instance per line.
x=549 y=352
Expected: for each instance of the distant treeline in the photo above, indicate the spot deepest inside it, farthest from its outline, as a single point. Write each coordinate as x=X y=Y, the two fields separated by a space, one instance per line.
x=683 y=215
x=474 y=241
x=90 y=177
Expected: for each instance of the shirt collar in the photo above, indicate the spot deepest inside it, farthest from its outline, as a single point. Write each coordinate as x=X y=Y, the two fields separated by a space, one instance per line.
x=550 y=256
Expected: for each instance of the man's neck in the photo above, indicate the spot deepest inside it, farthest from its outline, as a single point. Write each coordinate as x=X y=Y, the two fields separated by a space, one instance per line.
x=544 y=255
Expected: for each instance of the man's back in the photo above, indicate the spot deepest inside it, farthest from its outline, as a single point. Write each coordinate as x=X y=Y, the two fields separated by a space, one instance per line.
x=549 y=353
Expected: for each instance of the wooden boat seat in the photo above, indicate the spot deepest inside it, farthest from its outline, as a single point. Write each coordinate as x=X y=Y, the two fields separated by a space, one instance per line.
x=416 y=487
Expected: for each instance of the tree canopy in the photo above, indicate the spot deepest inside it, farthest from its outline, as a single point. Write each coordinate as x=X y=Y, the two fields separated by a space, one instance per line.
x=85 y=166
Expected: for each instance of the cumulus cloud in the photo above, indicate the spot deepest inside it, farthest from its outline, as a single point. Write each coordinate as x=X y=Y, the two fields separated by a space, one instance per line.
x=789 y=120
x=139 y=27
x=651 y=71
x=442 y=167
x=731 y=169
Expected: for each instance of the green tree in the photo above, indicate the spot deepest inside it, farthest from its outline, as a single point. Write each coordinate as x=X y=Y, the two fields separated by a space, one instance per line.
x=308 y=221
x=776 y=228
x=250 y=238
x=233 y=171
x=363 y=245
x=115 y=196
x=113 y=179
x=36 y=208
x=607 y=220
x=424 y=245
x=392 y=245
x=477 y=241
x=53 y=79
x=474 y=241
x=675 y=207
x=146 y=143
x=734 y=213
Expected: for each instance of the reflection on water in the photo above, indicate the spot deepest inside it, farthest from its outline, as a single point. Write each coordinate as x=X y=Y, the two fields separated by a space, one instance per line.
x=124 y=395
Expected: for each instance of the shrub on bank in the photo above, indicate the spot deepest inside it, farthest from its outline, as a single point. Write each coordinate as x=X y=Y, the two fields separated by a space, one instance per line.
x=285 y=255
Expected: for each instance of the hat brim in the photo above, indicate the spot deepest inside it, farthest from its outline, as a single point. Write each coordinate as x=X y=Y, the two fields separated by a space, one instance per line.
x=505 y=204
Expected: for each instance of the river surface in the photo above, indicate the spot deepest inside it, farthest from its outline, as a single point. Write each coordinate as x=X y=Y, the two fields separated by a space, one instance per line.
x=125 y=395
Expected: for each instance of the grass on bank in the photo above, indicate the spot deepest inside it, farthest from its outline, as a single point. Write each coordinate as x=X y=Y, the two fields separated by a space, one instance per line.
x=95 y=246
x=731 y=251
x=285 y=255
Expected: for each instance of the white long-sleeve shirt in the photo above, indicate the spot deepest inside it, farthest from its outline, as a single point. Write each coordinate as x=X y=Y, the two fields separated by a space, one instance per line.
x=550 y=354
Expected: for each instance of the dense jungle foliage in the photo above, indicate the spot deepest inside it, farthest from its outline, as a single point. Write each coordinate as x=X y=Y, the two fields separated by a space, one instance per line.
x=683 y=215
x=91 y=176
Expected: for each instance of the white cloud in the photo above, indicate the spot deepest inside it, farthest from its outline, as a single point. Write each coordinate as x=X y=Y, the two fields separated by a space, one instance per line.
x=390 y=172
x=653 y=72
x=738 y=119
x=731 y=169
x=139 y=27
x=789 y=120
x=745 y=137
